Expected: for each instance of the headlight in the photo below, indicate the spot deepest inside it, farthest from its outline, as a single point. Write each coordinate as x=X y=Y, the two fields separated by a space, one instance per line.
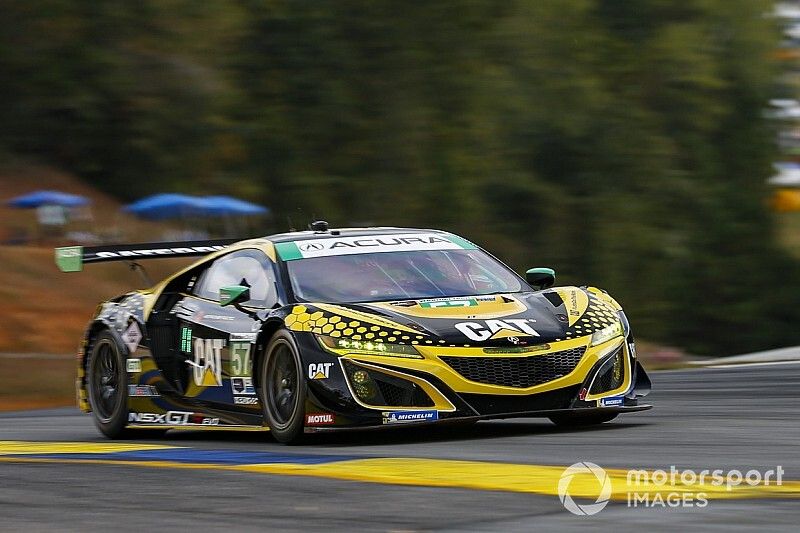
x=607 y=333
x=341 y=346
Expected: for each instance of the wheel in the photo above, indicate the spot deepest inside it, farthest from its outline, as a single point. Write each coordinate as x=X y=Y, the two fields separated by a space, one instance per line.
x=107 y=384
x=107 y=381
x=582 y=420
x=282 y=389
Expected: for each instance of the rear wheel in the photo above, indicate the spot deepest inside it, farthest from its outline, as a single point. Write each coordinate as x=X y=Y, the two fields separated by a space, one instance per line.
x=107 y=386
x=582 y=420
x=282 y=389
x=106 y=380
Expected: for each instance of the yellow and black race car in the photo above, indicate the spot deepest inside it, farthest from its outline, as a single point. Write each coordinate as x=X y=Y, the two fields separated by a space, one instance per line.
x=354 y=328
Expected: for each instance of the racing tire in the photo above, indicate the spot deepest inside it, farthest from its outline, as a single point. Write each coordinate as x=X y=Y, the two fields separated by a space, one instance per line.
x=582 y=420
x=282 y=389
x=106 y=385
x=107 y=389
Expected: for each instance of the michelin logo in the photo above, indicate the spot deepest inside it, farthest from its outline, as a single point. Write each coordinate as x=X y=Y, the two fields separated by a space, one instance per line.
x=399 y=417
x=612 y=401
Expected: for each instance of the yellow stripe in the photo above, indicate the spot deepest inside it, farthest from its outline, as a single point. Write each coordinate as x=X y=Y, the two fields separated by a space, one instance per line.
x=13 y=447
x=534 y=479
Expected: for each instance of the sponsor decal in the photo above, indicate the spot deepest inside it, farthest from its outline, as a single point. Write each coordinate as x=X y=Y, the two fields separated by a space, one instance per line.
x=369 y=244
x=134 y=366
x=399 y=417
x=455 y=302
x=320 y=419
x=497 y=329
x=241 y=364
x=245 y=337
x=219 y=317
x=207 y=367
x=319 y=370
x=575 y=303
x=186 y=340
x=147 y=391
x=173 y=418
x=243 y=386
x=611 y=401
x=245 y=400
x=160 y=251
x=132 y=336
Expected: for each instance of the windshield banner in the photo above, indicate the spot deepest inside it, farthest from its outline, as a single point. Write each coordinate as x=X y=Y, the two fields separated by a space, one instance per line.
x=370 y=244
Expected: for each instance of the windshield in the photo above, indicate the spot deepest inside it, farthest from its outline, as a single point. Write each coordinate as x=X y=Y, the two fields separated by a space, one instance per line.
x=408 y=275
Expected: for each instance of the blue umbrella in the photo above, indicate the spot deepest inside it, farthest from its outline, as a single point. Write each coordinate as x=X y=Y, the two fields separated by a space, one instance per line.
x=168 y=205
x=40 y=198
x=226 y=205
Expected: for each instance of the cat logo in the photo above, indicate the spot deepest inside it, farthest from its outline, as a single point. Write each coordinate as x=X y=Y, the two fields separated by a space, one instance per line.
x=207 y=367
x=319 y=370
x=509 y=328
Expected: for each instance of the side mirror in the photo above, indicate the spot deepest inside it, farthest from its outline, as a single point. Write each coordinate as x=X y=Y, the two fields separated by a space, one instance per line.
x=540 y=278
x=233 y=295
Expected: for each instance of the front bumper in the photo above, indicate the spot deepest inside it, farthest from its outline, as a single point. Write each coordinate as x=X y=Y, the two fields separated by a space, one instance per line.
x=454 y=398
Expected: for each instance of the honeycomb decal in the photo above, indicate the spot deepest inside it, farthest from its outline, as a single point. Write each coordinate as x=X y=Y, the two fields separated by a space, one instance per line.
x=321 y=322
x=598 y=315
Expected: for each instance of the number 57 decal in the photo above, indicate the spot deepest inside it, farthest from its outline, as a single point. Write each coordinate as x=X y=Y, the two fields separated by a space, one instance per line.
x=241 y=364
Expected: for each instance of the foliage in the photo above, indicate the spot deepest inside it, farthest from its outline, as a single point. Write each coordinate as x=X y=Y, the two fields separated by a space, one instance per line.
x=621 y=142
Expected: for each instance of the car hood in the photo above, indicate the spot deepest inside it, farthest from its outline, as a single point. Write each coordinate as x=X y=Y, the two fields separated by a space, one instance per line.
x=525 y=318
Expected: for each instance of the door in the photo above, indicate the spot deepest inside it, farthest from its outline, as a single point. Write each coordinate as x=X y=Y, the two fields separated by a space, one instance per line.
x=216 y=343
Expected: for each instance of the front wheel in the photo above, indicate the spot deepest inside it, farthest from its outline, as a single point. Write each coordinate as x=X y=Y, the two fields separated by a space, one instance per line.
x=579 y=420
x=282 y=389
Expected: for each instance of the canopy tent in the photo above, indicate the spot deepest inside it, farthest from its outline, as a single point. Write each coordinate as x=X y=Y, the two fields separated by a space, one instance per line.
x=165 y=206
x=170 y=205
x=38 y=199
x=227 y=205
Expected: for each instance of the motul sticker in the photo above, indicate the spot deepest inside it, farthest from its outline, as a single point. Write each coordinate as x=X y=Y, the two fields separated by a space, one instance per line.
x=320 y=419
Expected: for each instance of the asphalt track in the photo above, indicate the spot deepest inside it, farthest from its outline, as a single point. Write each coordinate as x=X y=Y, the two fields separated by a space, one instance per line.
x=56 y=473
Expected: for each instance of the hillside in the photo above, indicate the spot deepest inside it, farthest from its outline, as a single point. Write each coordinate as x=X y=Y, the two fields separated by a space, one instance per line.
x=44 y=310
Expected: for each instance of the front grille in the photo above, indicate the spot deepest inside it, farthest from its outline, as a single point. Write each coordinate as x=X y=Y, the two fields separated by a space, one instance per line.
x=611 y=375
x=519 y=372
x=495 y=404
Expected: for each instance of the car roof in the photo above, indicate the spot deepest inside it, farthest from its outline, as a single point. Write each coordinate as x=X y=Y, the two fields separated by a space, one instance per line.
x=345 y=232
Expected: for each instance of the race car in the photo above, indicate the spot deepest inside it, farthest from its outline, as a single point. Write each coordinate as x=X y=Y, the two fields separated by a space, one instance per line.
x=334 y=329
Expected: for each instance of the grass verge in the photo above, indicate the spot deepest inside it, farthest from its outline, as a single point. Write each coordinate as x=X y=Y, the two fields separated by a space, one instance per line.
x=36 y=383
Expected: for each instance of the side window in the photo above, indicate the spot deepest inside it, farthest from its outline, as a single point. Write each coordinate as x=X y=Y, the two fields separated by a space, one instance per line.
x=244 y=267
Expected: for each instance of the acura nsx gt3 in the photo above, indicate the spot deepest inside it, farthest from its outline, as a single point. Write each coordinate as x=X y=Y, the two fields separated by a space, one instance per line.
x=328 y=329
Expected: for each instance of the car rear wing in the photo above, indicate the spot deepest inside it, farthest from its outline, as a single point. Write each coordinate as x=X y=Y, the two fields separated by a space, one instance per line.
x=72 y=258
